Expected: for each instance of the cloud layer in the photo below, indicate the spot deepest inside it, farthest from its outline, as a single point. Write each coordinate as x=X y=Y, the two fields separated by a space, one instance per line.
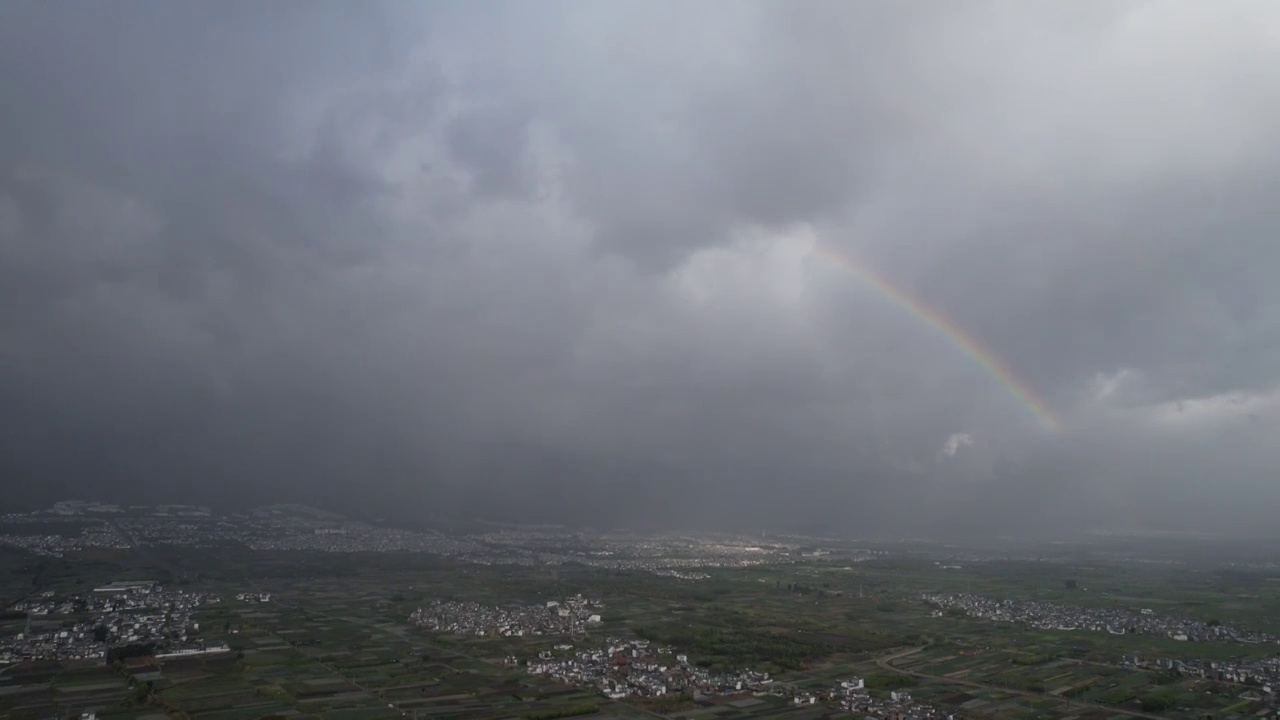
x=570 y=260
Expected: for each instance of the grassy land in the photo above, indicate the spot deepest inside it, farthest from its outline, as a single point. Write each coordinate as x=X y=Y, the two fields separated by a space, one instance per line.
x=336 y=645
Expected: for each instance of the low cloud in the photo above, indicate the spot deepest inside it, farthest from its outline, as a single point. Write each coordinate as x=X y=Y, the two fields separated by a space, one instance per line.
x=544 y=261
x=954 y=443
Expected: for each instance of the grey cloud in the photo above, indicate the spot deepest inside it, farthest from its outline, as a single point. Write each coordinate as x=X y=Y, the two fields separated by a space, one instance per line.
x=493 y=142
x=544 y=259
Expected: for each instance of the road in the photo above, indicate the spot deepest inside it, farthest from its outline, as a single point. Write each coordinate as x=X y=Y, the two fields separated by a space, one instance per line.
x=886 y=663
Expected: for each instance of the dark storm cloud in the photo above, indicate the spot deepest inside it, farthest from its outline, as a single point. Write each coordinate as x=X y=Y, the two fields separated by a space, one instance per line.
x=492 y=143
x=554 y=259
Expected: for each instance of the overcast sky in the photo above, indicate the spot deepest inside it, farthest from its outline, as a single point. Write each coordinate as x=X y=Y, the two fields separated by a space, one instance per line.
x=574 y=261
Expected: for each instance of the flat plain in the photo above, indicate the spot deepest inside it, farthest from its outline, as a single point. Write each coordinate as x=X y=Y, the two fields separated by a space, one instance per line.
x=334 y=640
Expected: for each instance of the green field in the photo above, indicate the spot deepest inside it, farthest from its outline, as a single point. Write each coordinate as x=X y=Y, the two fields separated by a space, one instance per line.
x=335 y=642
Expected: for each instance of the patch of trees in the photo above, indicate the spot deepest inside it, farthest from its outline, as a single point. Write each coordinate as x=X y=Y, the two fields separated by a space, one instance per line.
x=141 y=695
x=1118 y=696
x=572 y=711
x=1076 y=691
x=1157 y=701
x=733 y=648
x=666 y=704
x=124 y=652
x=802 y=589
x=1030 y=659
x=1027 y=684
x=890 y=682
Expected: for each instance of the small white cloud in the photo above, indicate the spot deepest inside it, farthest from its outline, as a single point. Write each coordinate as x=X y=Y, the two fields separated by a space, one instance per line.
x=1105 y=386
x=954 y=443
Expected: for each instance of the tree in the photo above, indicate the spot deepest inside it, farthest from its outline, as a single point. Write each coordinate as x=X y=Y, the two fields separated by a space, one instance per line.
x=140 y=696
x=124 y=652
x=1156 y=702
x=1070 y=584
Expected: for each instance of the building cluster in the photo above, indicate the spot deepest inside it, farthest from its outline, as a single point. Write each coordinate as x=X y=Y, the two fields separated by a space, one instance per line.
x=79 y=627
x=282 y=527
x=301 y=528
x=1259 y=677
x=284 y=530
x=571 y=615
x=607 y=560
x=80 y=508
x=852 y=696
x=46 y=545
x=183 y=531
x=1117 y=621
x=634 y=668
x=360 y=537
x=93 y=535
x=682 y=574
x=630 y=551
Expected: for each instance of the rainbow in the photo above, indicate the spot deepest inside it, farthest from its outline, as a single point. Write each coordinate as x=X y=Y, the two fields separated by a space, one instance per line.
x=953 y=332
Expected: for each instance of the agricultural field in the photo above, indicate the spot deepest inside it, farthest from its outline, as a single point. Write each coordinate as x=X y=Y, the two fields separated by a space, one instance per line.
x=334 y=640
x=1033 y=680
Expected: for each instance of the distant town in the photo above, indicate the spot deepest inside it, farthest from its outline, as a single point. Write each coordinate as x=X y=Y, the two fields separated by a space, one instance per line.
x=1117 y=621
x=571 y=615
x=301 y=528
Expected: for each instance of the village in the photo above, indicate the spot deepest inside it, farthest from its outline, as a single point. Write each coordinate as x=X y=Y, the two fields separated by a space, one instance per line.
x=853 y=697
x=74 y=525
x=682 y=574
x=1259 y=678
x=122 y=613
x=636 y=668
x=1117 y=621
x=626 y=668
x=572 y=615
